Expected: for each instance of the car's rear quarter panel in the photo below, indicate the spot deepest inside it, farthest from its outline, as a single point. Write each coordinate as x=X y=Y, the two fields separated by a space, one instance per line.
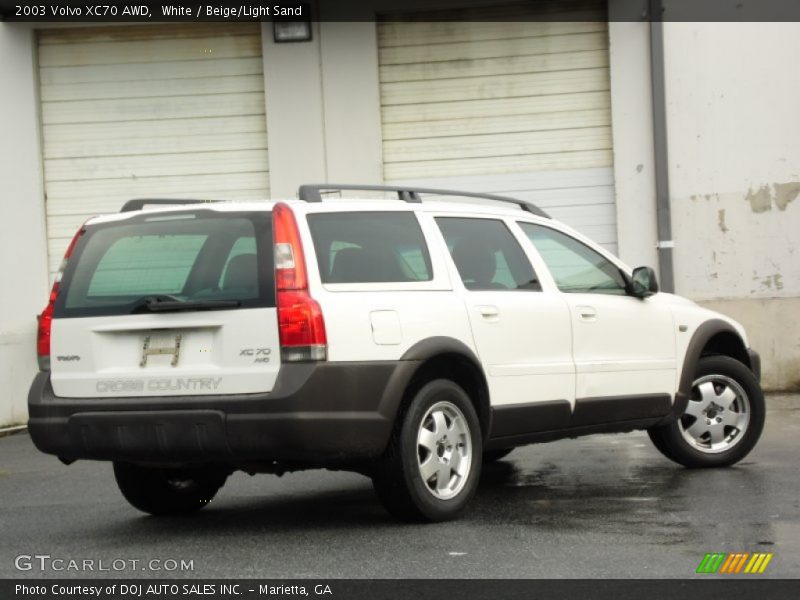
x=356 y=332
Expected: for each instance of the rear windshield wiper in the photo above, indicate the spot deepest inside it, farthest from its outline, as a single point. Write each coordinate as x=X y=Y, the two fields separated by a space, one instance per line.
x=170 y=303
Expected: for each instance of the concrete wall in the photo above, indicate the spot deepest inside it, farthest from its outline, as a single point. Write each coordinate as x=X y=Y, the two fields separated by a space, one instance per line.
x=323 y=107
x=351 y=97
x=293 y=94
x=734 y=147
x=632 y=127
x=23 y=260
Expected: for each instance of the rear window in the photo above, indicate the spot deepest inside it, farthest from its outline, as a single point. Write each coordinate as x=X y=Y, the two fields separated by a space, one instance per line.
x=192 y=256
x=370 y=247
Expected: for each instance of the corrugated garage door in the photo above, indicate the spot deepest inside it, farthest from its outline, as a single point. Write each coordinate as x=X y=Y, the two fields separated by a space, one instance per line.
x=151 y=111
x=516 y=106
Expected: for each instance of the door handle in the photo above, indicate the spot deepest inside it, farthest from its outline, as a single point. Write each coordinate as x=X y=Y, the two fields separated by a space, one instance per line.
x=587 y=313
x=489 y=312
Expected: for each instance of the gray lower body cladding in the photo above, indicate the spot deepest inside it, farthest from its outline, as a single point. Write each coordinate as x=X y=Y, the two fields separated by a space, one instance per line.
x=317 y=413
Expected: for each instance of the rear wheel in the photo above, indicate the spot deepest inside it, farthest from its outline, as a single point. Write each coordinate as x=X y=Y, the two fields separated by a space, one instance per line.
x=170 y=491
x=723 y=419
x=431 y=468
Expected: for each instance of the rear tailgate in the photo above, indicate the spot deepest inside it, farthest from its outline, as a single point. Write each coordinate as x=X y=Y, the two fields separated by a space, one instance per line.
x=168 y=304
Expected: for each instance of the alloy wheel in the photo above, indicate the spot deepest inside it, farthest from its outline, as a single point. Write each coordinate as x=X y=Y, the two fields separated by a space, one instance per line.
x=717 y=415
x=444 y=450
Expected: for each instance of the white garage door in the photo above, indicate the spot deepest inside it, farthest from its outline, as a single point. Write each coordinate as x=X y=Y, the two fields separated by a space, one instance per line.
x=516 y=106
x=169 y=111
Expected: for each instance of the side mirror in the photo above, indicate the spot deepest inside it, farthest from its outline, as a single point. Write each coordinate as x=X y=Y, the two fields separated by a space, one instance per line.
x=643 y=282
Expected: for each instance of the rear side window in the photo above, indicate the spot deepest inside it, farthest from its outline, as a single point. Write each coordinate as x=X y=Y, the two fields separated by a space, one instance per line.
x=370 y=247
x=204 y=255
x=486 y=255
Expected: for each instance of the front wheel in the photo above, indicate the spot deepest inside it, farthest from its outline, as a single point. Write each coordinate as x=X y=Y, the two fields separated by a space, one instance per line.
x=723 y=419
x=431 y=468
x=168 y=491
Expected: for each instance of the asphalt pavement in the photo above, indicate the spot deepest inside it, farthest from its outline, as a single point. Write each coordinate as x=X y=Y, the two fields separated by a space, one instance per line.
x=600 y=506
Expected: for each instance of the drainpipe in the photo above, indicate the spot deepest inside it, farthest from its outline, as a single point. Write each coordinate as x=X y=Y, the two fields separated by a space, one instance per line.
x=663 y=208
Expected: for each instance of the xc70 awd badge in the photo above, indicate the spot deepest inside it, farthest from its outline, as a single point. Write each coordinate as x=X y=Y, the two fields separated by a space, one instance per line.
x=261 y=354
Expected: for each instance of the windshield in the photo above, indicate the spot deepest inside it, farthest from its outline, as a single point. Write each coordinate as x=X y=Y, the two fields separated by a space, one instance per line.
x=204 y=258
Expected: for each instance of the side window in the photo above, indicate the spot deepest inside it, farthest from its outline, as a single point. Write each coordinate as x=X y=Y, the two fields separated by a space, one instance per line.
x=486 y=255
x=575 y=267
x=370 y=247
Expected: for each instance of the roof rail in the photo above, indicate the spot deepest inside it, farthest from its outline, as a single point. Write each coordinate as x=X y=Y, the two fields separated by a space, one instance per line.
x=312 y=192
x=140 y=203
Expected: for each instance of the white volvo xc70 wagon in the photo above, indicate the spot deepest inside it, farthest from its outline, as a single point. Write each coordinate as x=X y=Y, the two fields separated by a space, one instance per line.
x=410 y=341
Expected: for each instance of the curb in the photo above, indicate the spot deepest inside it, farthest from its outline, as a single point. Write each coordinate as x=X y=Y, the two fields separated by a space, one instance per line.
x=4 y=431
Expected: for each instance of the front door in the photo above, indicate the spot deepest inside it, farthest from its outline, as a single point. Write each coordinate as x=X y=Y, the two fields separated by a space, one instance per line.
x=623 y=347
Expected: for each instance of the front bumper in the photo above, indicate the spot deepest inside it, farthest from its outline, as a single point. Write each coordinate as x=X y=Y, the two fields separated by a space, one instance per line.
x=317 y=413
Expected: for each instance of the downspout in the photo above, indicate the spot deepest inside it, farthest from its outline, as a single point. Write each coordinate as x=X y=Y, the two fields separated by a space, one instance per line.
x=661 y=157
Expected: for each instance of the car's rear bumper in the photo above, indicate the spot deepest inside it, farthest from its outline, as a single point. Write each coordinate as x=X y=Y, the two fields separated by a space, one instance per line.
x=318 y=413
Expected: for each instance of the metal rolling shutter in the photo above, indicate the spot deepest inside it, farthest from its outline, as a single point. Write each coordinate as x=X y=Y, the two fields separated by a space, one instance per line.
x=506 y=105
x=149 y=111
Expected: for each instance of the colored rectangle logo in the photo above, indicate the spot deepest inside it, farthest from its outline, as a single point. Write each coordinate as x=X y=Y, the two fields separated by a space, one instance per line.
x=734 y=563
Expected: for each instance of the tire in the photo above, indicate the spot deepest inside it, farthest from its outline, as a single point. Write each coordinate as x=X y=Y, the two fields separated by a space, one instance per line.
x=158 y=491
x=438 y=435
x=708 y=435
x=490 y=456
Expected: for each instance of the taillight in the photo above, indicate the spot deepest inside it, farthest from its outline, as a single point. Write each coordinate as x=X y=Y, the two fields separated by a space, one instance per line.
x=300 y=323
x=45 y=319
x=43 y=333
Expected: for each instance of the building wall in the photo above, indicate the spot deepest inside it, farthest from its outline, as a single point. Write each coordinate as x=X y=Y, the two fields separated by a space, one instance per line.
x=632 y=128
x=323 y=111
x=293 y=82
x=23 y=261
x=734 y=171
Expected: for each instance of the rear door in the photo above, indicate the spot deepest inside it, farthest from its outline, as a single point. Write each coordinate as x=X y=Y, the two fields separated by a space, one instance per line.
x=168 y=303
x=521 y=332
